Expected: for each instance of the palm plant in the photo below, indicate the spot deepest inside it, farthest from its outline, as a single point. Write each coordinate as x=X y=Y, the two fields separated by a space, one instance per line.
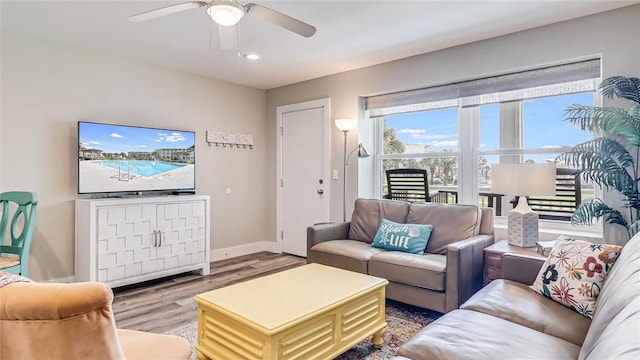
x=610 y=159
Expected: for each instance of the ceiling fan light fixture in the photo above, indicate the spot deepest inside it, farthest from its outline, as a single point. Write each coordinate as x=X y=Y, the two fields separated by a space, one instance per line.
x=226 y=14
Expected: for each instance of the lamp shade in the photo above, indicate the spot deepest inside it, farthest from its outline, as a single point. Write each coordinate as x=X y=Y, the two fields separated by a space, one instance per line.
x=524 y=179
x=226 y=14
x=346 y=125
x=362 y=152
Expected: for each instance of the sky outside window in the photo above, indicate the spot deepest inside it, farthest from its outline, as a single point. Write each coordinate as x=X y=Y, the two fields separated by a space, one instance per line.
x=438 y=129
x=544 y=126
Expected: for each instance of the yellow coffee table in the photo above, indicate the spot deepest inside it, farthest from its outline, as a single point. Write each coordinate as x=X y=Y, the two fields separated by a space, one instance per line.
x=310 y=312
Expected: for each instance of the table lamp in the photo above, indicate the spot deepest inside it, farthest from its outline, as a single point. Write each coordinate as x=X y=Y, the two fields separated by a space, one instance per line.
x=523 y=180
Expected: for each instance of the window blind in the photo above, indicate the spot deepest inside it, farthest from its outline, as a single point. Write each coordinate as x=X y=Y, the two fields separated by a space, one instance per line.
x=553 y=80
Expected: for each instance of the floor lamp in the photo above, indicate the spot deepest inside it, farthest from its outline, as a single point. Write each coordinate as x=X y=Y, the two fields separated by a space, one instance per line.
x=346 y=125
x=523 y=180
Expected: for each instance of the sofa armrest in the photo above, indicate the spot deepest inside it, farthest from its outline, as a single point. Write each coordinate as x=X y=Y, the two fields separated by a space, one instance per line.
x=521 y=268
x=41 y=301
x=465 y=264
x=58 y=321
x=326 y=231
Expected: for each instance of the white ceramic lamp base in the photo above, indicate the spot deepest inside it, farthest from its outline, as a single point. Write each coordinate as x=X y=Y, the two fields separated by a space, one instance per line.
x=522 y=225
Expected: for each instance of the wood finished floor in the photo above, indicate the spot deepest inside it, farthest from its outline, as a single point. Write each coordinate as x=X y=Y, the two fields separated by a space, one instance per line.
x=162 y=305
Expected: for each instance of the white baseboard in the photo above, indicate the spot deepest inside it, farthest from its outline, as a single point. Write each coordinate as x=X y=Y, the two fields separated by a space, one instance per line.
x=235 y=251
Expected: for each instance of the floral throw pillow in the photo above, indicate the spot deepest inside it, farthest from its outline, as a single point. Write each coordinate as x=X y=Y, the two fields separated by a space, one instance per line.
x=575 y=272
x=8 y=278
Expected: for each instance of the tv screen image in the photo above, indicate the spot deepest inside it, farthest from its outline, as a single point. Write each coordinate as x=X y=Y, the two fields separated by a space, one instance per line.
x=121 y=158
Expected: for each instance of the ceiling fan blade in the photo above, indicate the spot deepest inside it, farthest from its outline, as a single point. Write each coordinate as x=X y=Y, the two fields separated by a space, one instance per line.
x=280 y=19
x=228 y=36
x=166 y=11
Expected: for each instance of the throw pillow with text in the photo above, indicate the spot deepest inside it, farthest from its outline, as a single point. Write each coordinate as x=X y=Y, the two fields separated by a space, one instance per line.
x=411 y=238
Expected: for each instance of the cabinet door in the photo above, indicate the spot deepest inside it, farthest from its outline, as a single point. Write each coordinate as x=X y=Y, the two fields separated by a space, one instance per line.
x=182 y=229
x=125 y=241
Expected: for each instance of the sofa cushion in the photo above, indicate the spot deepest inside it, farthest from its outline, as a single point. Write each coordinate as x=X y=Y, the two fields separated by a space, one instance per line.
x=425 y=271
x=411 y=238
x=368 y=213
x=615 y=329
x=144 y=345
x=451 y=223
x=515 y=302
x=575 y=272
x=620 y=339
x=345 y=254
x=465 y=334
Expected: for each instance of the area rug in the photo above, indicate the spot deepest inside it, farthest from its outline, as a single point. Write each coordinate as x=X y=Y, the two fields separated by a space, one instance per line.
x=403 y=321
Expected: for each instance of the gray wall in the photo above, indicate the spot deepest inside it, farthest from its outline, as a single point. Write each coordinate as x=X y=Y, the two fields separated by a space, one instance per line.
x=47 y=88
x=613 y=35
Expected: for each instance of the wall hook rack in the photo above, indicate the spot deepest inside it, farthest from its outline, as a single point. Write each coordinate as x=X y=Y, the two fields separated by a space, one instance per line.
x=225 y=138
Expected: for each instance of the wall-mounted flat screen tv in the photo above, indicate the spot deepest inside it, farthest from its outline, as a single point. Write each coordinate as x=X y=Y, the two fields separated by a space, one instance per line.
x=130 y=159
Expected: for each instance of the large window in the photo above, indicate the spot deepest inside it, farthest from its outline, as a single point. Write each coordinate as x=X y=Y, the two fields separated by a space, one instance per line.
x=423 y=140
x=528 y=131
x=457 y=138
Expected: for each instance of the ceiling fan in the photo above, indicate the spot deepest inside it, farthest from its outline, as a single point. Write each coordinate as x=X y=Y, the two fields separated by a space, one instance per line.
x=227 y=13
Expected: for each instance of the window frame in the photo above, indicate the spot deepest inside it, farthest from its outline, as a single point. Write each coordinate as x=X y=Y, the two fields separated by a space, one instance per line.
x=468 y=155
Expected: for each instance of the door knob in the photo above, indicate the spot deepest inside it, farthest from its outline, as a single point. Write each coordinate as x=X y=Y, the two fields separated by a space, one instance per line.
x=320 y=191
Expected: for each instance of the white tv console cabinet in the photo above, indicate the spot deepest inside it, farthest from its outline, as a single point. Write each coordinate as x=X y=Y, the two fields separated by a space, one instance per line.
x=129 y=240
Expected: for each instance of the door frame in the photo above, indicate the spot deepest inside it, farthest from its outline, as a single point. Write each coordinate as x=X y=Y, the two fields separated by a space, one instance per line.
x=283 y=109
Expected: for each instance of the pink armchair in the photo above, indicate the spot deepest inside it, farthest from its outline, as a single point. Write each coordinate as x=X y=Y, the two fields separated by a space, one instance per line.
x=73 y=321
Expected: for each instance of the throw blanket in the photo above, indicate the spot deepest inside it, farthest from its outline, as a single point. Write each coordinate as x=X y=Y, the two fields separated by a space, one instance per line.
x=8 y=278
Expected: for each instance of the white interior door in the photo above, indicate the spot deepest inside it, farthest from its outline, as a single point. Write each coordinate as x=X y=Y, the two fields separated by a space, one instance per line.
x=303 y=169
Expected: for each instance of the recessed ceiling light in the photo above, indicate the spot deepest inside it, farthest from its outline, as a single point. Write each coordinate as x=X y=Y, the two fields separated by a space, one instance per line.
x=251 y=56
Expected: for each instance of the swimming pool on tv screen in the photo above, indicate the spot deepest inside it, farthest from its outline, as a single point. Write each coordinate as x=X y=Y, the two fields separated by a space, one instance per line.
x=145 y=168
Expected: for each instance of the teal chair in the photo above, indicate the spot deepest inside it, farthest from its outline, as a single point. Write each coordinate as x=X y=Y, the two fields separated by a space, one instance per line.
x=14 y=257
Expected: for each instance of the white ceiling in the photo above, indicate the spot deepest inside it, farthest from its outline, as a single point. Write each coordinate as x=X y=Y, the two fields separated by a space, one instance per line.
x=350 y=34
